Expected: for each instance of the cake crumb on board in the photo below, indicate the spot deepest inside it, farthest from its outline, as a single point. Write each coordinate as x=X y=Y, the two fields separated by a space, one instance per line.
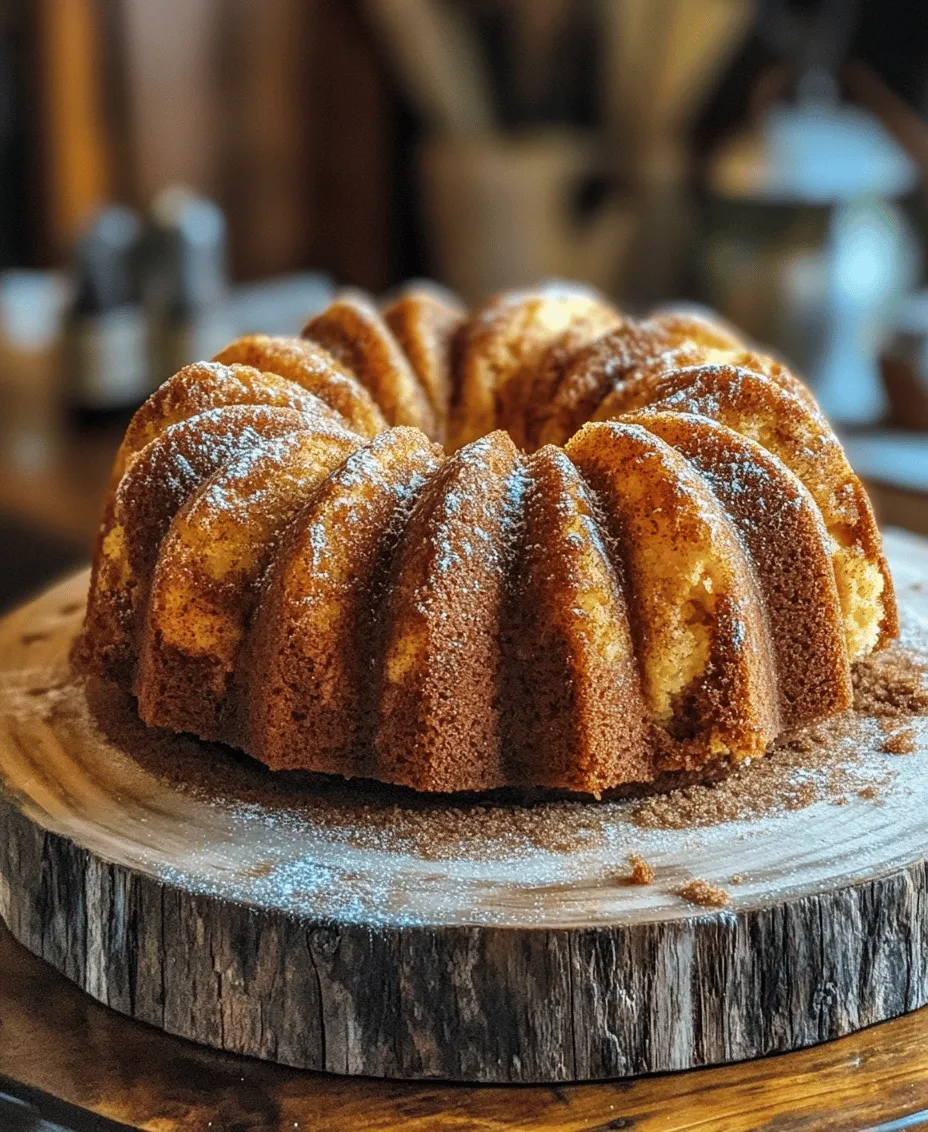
x=890 y=684
x=703 y=892
x=642 y=872
x=901 y=742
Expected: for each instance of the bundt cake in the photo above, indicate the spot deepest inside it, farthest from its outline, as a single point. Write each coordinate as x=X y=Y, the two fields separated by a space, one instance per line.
x=640 y=550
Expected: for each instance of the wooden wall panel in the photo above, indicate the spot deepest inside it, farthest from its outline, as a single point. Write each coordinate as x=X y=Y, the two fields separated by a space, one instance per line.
x=174 y=106
x=353 y=115
x=267 y=185
x=75 y=152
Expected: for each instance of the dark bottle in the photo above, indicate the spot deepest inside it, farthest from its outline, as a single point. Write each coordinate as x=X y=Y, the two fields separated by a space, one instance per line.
x=186 y=281
x=106 y=349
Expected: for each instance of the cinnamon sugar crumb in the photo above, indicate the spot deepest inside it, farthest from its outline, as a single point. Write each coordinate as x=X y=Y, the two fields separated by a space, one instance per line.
x=890 y=684
x=902 y=742
x=702 y=892
x=642 y=872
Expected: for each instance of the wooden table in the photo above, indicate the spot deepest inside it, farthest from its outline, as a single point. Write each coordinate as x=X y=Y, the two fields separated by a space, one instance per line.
x=894 y=466
x=57 y=1040
x=62 y=497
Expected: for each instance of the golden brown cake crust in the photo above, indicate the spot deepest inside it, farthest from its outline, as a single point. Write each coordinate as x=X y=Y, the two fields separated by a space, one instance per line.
x=208 y=573
x=574 y=705
x=313 y=646
x=631 y=350
x=425 y=322
x=312 y=368
x=439 y=725
x=774 y=514
x=167 y=471
x=207 y=385
x=800 y=436
x=696 y=614
x=354 y=332
x=598 y=588
x=503 y=343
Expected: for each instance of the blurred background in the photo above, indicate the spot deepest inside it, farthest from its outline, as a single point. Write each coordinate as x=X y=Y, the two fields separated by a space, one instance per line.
x=176 y=173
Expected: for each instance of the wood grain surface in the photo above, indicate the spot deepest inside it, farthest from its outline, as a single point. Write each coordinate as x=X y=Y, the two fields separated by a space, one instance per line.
x=333 y=929
x=56 y=1039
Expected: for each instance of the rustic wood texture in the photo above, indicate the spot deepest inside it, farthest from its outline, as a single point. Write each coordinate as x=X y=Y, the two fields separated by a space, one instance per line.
x=56 y=1039
x=249 y=926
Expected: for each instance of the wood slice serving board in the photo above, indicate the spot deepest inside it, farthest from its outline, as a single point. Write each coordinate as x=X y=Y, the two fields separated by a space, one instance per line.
x=364 y=930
